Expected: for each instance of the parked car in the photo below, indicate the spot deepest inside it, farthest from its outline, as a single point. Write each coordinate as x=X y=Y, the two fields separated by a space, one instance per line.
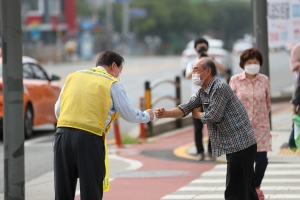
x=215 y=50
x=40 y=94
x=241 y=45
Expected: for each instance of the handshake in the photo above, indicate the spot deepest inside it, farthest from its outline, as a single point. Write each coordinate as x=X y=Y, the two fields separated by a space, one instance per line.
x=159 y=113
x=173 y=113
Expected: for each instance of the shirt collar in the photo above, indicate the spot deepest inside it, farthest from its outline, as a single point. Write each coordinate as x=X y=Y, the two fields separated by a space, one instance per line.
x=243 y=76
x=101 y=67
x=210 y=84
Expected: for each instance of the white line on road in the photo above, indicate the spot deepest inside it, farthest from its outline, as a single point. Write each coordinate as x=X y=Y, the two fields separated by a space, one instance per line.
x=276 y=173
x=221 y=196
x=265 y=180
x=179 y=197
x=133 y=164
x=222 y=188
x=270 y=165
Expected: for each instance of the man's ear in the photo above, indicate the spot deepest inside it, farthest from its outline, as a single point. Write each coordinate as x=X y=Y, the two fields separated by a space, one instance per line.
x=209 y=71
x=113 y=65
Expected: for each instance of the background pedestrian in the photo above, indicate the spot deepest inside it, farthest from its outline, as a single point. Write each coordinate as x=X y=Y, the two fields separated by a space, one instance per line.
x=253 y=90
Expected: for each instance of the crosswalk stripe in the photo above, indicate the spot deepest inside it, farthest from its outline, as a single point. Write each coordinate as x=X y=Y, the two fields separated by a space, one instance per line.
x=265 y=180
x=277 y=173
x=221 y=196
x=281 y=182
x=272 y=165
x=179 y=197
x=222 y=188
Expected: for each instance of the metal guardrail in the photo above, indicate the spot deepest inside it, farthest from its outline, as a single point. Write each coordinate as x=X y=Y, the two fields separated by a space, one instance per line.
x=149 y=102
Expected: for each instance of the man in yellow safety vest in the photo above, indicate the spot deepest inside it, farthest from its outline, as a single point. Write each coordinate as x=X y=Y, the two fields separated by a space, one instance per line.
x=87 y=105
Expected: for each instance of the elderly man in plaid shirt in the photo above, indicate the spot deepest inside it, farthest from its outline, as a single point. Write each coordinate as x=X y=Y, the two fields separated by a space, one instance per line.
x=229 y=128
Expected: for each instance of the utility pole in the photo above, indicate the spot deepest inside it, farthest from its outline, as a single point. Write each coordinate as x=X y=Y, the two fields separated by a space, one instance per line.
x=109 y=24
x=260 y=35
x=13 y=130
x=126 y=19
x=47 y=20
x=260 y=32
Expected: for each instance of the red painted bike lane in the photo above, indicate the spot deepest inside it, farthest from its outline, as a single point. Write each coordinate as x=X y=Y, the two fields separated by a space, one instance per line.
x=159 y=175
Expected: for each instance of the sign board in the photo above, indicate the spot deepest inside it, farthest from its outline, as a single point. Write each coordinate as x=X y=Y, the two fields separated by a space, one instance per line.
x=137 y=12
x=35 y=31
x=122 y=1
x=283 y=22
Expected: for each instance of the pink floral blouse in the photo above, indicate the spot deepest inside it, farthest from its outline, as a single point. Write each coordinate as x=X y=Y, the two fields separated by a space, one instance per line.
x=255 y=96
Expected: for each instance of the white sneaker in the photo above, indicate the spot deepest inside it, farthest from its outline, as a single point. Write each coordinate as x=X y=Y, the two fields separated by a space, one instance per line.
x=200 y=156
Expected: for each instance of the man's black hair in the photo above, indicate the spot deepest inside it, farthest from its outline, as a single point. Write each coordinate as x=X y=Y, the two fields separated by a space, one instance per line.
x=209 y=63
x=199 y=41
x=108 y=57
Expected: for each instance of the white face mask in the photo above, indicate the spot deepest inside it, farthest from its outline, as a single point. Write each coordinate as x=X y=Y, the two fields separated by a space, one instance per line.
x=196 y=79
x=252 y=69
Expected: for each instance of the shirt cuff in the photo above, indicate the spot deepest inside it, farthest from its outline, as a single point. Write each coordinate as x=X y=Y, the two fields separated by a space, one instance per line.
x=184 y=110
x=147 y=117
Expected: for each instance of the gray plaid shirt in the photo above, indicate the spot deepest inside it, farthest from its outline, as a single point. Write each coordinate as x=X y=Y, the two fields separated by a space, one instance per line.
x=229 y=127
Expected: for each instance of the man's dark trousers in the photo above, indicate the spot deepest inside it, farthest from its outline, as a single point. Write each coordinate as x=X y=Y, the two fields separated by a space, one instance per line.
x=198 y=126
x=240 y=175
x=78 y=154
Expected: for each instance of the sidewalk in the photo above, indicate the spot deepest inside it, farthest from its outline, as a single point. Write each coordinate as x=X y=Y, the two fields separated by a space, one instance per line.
x=154 y=170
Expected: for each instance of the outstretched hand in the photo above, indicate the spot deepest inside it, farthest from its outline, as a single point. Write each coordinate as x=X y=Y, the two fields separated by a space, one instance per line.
x=150 y=112
x=160 y=113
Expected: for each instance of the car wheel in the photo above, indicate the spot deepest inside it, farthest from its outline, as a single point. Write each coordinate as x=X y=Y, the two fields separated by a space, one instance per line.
x=28 y=122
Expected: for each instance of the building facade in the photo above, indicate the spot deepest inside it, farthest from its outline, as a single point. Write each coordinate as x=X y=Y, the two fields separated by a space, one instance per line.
x=43 y=19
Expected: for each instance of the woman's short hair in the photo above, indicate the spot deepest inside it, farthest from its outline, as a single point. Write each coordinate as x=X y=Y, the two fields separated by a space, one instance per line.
x=250 y=54
x=108 y=57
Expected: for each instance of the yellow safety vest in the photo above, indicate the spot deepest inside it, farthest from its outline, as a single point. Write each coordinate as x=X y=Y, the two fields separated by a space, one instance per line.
x=85 y=103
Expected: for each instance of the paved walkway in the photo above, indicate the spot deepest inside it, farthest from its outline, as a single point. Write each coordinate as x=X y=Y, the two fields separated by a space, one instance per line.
x=165 y=168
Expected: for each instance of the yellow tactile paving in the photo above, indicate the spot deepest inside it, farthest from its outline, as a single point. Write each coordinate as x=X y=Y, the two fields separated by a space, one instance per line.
x=289 y=152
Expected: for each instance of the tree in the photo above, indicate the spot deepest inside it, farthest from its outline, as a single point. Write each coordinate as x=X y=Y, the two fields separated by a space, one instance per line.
x=82 y=8
x=178 y=21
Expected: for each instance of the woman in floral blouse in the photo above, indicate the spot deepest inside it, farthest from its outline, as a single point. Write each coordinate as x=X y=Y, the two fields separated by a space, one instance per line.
x=253 y=90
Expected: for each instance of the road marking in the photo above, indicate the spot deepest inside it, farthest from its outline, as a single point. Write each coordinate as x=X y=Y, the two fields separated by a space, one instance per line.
x=271 y=165
x=276 y=173
x=211 y=186
x=179 y=197
x=222 y=188
x=265 y=180
x=133 y=164
x=181 y=151
x=221 y=196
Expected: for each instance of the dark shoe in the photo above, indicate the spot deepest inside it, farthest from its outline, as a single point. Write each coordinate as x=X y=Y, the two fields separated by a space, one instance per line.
x=200 y=156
